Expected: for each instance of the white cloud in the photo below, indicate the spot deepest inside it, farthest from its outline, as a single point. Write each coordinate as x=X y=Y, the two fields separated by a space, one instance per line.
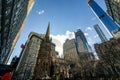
x=60 y=39
x=70 y=35
x=94 y=18
x=88 y=29
x=86 y=34
x=40 y=12
x=96 y=36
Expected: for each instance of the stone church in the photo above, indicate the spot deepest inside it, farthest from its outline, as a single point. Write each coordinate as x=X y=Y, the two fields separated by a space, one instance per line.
x=43 y=63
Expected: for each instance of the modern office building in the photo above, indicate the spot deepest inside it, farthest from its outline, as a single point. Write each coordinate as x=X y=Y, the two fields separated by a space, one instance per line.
x=81 y=42
x=83 y=48
x=111 y=27
x=100 y=33
x=70 y=51
x=13 y=18
x=6 y=7
x=113 y=9
x=84 y=51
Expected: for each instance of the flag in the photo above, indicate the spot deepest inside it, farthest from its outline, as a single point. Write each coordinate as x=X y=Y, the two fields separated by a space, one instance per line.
x=23 y=46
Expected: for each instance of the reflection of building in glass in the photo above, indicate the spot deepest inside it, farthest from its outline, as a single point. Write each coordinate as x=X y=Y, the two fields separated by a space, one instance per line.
x=100 y=33
x=70 y=52
x=81 y=42
x=12 y=22
x=113 y=9
x=107 y=22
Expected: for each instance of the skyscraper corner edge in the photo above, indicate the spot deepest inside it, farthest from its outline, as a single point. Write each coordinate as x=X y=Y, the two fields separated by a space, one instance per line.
x=90 y=1
x=110 y=26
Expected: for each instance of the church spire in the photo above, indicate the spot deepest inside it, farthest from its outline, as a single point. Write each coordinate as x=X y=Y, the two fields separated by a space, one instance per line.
x=48 y=31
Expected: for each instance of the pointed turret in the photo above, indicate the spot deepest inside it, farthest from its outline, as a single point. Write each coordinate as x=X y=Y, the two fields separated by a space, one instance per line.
x=47 y=35
x=44 y=57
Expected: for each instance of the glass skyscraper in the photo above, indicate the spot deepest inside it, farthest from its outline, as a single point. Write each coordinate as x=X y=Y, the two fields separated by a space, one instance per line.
x=100 y=33
x=81 y=42
x=83 y=49
x=107 y=22
x=12 y=21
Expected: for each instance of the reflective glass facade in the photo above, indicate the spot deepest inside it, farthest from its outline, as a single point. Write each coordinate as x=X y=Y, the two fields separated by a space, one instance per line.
x=81 y=42
x=104 y=18
x=100 y=33
x=6 y=12
x=13 y=14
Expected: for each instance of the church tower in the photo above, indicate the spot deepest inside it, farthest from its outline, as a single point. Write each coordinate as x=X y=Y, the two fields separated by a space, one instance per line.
x=43 y=63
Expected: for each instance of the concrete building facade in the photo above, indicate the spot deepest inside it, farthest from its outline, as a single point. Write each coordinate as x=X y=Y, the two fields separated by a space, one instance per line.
x=54 y=53
x=26 y=65
x=109 y=53
x=108 y=48
x=70 y=52
x=113 y=9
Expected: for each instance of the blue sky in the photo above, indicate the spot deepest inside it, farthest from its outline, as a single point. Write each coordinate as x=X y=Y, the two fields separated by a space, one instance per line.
x=65 y=17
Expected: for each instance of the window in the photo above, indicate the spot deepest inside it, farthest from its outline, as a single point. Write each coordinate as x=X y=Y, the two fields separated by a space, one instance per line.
x=18 y=5
x=7 y=11
x=8 y=1
x=6 y=22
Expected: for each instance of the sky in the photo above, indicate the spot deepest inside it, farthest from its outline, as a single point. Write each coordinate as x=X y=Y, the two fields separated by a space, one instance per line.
x=65 y=17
